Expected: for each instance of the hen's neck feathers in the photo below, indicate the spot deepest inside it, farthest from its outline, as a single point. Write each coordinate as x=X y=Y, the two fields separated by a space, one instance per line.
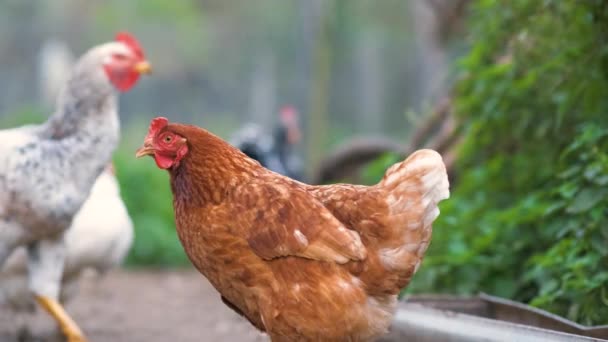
x=210 y=169
x=86 y=95
x=84 y=130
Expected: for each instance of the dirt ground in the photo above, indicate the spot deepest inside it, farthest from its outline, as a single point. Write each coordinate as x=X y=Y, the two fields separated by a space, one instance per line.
x=142 y=306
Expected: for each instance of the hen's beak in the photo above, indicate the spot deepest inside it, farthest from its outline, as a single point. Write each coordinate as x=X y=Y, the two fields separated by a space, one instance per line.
x=143 y=67
x=146 y=150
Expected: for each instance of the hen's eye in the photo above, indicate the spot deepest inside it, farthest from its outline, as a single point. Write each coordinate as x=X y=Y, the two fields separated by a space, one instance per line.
x=168 y=138
x=120 y=57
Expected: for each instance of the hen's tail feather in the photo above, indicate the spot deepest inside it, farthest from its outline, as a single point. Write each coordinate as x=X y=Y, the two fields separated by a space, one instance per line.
x=414 y=188
x=427 y=164
x=397 y=231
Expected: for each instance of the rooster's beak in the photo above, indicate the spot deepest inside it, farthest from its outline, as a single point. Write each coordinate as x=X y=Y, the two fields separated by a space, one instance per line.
x=143 y=67
x=146 y=150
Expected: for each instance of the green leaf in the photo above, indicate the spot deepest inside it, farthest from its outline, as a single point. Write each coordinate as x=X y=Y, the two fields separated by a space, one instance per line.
x=568 y=190
x=571 y=171
x=586 y=199
x=593 y=170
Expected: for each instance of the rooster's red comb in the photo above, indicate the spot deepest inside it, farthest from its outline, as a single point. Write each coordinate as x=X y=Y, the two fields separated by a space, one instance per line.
x=156 y=125
x=130 y=41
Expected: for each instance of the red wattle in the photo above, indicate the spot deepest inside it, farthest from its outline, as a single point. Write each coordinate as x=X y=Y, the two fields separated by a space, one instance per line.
x=162 y=161
x=125 y=81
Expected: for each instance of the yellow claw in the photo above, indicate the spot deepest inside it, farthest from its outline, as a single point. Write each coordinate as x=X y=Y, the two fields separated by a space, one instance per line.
x=67 y=325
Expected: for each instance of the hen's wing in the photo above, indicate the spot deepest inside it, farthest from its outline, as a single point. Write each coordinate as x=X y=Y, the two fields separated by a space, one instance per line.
x=393 y=217
x=280 y=218
x=14 y=139
x=14 y=142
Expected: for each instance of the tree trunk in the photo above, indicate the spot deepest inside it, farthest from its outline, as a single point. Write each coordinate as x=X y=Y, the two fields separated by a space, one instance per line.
x=263 y=96
x=371 y=83
x=432 y=61
x=318 y=122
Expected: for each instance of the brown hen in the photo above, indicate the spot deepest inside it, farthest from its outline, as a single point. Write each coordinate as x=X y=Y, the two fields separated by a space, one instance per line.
x=301 y=262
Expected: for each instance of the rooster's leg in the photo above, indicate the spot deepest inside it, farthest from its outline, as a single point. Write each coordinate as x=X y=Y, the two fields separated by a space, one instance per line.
x=46 y=259
x=66 y=323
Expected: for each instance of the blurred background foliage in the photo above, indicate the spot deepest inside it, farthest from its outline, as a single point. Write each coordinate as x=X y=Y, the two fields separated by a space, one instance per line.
x=527 y=80
x=528 y=216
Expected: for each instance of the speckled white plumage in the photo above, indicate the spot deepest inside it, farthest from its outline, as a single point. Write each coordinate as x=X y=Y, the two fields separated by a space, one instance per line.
x=47 y=171
x=99 y=238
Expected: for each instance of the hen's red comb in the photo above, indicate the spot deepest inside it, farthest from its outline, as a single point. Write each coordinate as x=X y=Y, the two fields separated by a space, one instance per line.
x=130 y=41
x=156 y=125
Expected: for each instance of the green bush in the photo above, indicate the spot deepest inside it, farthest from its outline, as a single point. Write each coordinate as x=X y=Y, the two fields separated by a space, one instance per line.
x=528 y=215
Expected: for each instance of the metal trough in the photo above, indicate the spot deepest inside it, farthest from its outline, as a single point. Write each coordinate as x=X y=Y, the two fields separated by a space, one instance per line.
x=483 y=318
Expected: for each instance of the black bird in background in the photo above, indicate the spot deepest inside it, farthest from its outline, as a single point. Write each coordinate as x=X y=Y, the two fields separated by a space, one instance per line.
x=275 y=151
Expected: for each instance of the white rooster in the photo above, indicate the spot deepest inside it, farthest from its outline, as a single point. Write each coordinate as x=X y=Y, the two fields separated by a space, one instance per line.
x=47 y=171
